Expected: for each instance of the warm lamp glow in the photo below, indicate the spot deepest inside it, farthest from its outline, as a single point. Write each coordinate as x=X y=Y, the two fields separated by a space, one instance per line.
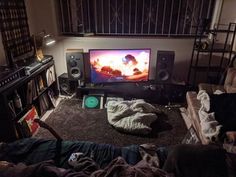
x=48 y=40
x=40 y=40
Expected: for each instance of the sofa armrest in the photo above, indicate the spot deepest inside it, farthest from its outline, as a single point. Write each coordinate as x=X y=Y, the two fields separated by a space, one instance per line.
x=193 y=107
x=230 y=81
x=210 y=88
x=230 y=89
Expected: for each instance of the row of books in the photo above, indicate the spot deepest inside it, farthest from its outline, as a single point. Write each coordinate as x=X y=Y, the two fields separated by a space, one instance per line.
x=37 y=96
x=44 y=103
x=26 y=125
x=38 y=85
x=31 y=92
x=50 y=75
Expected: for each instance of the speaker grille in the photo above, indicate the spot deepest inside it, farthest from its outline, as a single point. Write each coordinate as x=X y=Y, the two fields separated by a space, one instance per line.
x=164 y=66
x=67 y=86
x=163 y=75
x=75 y=73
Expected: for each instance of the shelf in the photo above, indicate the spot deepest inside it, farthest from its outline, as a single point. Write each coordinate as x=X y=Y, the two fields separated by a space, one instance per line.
x=213 y=50
x=206 y=68
x=223 y=28
x=28 y=89
x=25 y=79
x=220 y=31
x=216 y=56
x=217 y=48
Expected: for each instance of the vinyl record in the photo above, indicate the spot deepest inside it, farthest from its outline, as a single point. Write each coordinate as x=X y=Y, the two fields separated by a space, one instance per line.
x=92 y=102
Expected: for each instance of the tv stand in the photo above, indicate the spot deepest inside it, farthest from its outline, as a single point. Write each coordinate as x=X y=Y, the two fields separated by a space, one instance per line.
x=153 y=93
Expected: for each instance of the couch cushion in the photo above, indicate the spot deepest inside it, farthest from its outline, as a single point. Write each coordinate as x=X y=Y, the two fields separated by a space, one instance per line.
x=230 y=81
x=223 y=106
x=210 y=88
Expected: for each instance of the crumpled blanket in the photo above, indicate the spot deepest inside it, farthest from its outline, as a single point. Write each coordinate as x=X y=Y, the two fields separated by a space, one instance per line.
x=42 y=169
x=118 y=167
x=133 y=116
x=209 y=126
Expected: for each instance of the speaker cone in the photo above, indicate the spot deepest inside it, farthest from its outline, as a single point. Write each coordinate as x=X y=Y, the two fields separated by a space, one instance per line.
x=163 y=75
x=75 y=73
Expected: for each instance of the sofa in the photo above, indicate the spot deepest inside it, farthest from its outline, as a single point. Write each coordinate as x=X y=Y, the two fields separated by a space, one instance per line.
x=194 y=105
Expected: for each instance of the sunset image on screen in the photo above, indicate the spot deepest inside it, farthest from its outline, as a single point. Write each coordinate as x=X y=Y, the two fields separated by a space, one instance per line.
x=119 y=65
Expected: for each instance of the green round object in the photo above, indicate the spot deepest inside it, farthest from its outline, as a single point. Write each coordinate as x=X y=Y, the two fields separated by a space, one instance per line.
x=91 y=102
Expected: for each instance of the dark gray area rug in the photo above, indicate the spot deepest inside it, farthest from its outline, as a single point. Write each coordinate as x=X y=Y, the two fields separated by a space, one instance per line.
x=72 y=122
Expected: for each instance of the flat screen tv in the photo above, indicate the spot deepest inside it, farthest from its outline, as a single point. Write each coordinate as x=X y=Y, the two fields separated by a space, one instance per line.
x=119 y=65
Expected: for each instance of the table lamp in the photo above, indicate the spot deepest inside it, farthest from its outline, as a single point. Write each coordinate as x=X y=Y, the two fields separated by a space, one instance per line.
x=40 y=40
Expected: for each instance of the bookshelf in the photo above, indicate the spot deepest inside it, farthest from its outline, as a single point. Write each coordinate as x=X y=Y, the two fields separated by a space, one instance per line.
x=211 y=54
x=30 y=97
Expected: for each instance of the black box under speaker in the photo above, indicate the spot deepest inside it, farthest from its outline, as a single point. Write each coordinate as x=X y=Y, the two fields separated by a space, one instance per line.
x=164 y=66
x=75 y=65
x=67 y=86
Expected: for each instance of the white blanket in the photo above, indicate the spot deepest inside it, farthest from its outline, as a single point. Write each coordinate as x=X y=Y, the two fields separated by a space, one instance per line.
x=133 y=116
x=209 y=126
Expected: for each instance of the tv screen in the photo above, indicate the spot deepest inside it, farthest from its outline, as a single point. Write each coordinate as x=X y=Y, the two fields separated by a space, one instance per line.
x=119 y=65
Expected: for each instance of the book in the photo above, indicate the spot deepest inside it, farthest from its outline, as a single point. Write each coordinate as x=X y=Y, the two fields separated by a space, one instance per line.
x=39 y=84
x=44 y=103
x=50 y=75
x=27 y=125
x=42 y=106
x=52 y=97
x=12 y=108
x=29 y=96
x=34 y=90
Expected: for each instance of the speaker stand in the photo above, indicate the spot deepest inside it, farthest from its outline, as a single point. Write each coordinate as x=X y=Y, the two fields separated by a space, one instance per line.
x=81 y=83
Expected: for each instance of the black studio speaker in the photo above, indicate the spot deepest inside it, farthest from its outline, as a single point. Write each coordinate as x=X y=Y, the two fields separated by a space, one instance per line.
x=87 y=69
x=164 y=66
x=75 y=65
x=67 y=86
